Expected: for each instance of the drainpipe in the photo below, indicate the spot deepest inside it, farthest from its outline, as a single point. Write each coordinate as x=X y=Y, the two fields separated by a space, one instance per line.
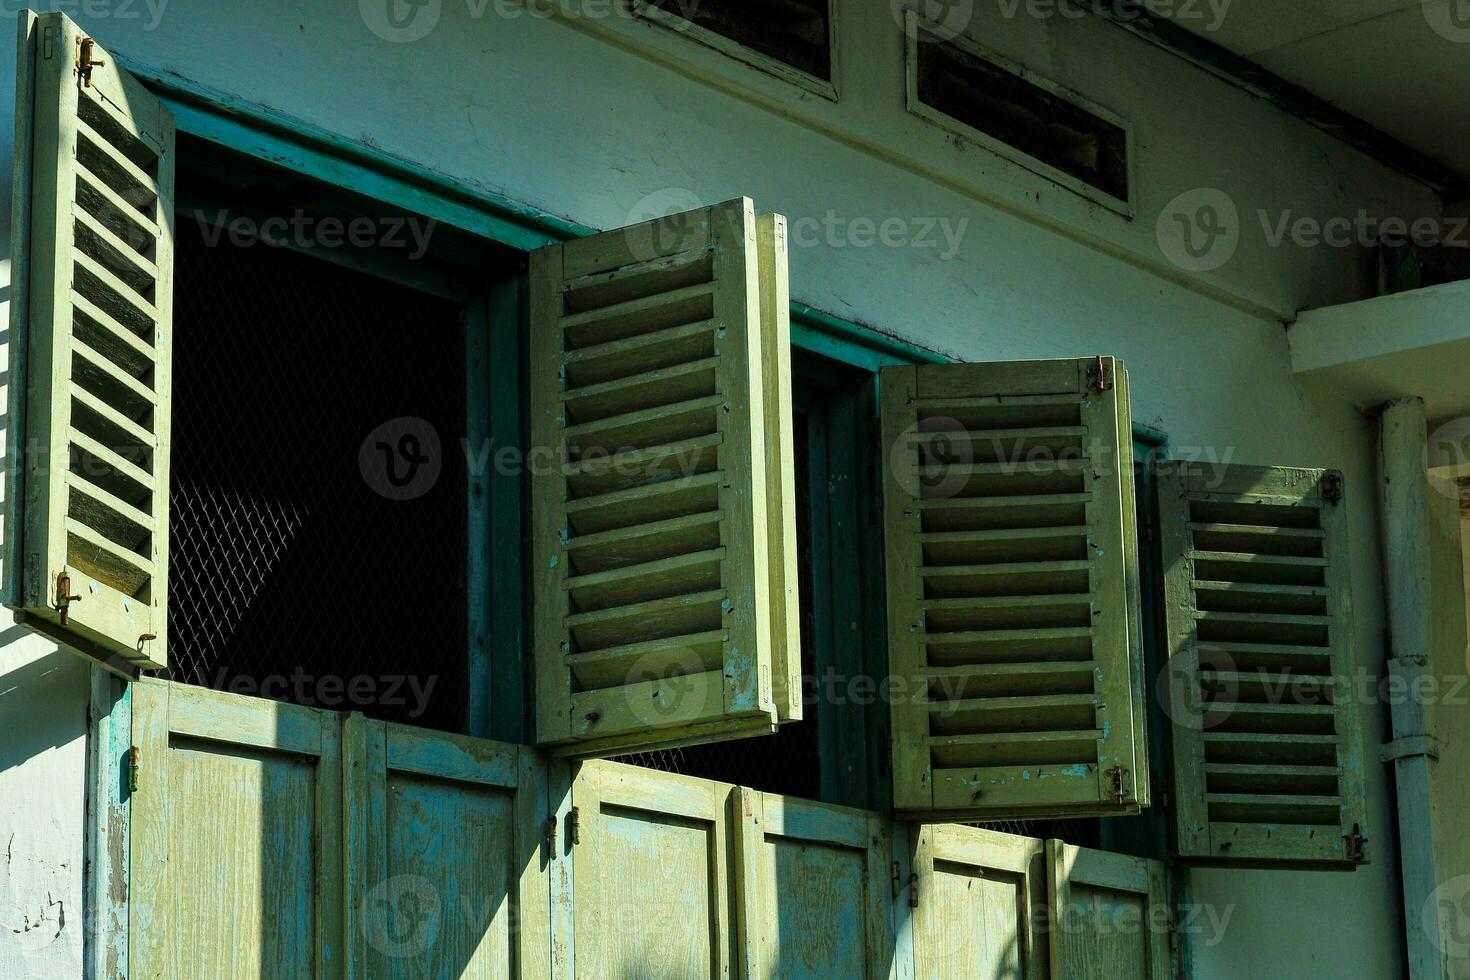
x=1413 y=751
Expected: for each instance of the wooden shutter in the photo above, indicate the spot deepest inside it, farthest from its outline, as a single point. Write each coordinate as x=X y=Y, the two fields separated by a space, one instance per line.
x=1110 y=914
x=651 y=854
x=664 y=514
x=815 y=891
x=446 y=860
x=980 y=907
x=1267 y=748
x=236 y=837
x=1013 y=612
x=90 y=323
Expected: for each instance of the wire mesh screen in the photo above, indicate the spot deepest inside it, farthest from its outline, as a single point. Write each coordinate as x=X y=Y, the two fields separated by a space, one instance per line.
x=787 y=761
x=297 y=573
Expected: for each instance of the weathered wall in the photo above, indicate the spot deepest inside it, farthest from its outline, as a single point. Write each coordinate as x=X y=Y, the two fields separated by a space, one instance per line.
x=43 y=705
x=605 y=122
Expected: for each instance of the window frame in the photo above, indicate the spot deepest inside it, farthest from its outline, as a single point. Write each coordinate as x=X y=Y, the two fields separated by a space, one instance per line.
x=917 y=107
x=643 y=11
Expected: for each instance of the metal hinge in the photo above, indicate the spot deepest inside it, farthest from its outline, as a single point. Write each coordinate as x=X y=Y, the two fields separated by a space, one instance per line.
x=897 y=880
x=551 y=834
x=574 y=826
x=1332 y=487
x=85 y=47
x=1356 y=844
x=64 y=598
x=913 y=889
x=1118 y=775
x=135 y=765
x=1097 y=375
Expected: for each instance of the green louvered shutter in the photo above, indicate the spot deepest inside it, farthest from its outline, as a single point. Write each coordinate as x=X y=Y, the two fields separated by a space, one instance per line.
x=90 y=323
x=1013 y=605
x=1266 y=740
x=663 y=540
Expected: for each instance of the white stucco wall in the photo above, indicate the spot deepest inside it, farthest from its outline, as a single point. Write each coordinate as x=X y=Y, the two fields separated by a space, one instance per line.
x=600 y=120
x=43 y=706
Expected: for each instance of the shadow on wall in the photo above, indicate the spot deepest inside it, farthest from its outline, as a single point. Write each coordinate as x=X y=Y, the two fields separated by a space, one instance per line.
x=34 y=687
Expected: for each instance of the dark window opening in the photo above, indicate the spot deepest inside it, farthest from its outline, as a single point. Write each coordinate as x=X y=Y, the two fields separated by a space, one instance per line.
x=318 y=485
x=794 y=32
x=1007 y=107
x=836 y=753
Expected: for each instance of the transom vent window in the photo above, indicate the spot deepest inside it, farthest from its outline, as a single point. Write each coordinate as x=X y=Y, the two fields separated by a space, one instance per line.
x=796 y=33
x=1005 y=107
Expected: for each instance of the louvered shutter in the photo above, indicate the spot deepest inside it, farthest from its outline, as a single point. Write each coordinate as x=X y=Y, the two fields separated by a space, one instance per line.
x=664 y=512
x=1013 y=611
x=90 y=323
x=1266 y=739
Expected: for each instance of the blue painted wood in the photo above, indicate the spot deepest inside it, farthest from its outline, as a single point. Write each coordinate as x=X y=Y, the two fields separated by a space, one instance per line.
x=480 y=549
x=853 y=344
x=106 y=894
x=280 y=139
x=508 y=483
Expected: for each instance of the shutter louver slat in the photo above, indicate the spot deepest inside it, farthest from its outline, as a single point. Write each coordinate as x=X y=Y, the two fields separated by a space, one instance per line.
x=1013 y=614
x=1265 y=743
x=89 y=330
x=663 y=615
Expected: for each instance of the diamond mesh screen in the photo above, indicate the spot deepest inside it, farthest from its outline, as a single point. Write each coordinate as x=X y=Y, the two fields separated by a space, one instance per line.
x=290 y=576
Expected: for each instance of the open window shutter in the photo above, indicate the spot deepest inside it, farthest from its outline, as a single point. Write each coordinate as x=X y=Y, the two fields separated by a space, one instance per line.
x=90 y=323
x=1014 y=642
x=1267 y=756
x=664 y=512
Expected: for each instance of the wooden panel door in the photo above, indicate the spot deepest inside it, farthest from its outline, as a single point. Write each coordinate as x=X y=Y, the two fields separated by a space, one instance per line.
x=651 y=859
x=236 y=836
x=978 y=909
x=1109 y=915
x=446 y=871
x=814 y=889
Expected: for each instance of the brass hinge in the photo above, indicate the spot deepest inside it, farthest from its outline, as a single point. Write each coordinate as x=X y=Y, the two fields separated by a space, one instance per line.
x=64 y=598
x=135 y=764
x=1097 y=375
x=85 y=63
x=1356 y=844
x=1332 y=487
x=574 y=826
x=1118 y=775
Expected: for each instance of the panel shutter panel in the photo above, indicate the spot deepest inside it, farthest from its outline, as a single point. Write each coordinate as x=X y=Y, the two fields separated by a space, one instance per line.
x=1013 y=613
x=90 y=324
x=1109 y=914
x=1266 y=744
x=664 y=512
